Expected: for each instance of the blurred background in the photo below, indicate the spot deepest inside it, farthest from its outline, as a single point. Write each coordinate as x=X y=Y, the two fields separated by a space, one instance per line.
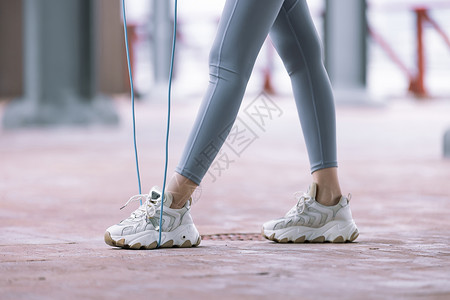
x=387 y=49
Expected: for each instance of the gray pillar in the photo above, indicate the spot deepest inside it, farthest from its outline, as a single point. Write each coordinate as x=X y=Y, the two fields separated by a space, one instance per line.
x=60 y=67
x=447 y=144
x=345 y=49
x=162 y=40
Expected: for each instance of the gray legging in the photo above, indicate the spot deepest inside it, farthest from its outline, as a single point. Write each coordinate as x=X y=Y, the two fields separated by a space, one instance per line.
x=243 y=27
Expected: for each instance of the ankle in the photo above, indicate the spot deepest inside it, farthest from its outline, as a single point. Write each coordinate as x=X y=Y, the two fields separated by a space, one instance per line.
x=328 y=196
x=329 y=201
x=181 y=189
x=178 y=203
x=328 y=188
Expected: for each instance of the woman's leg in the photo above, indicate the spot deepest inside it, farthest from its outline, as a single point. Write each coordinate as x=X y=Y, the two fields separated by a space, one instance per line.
x=296 y=40
x=329 y=218
x=243 y=27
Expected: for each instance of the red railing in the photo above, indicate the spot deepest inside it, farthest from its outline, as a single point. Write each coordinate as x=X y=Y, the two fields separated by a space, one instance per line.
x=416 y=77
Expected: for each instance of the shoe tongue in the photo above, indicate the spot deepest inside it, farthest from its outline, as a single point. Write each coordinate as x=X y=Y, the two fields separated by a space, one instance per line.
x=312 y=190
x=155 y=194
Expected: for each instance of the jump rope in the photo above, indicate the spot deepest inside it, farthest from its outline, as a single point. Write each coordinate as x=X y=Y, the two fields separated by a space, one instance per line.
x=168 y=110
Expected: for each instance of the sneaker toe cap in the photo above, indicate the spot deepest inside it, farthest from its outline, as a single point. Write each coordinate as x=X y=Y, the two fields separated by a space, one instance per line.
x=271 y=225
x=115 y=230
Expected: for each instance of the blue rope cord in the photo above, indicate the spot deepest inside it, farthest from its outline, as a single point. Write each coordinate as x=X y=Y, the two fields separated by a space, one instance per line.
x=168 y=109
x=174 y=39
x=132 y=97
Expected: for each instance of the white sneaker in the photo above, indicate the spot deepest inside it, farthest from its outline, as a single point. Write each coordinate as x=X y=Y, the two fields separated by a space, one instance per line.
x=141 y=229
x=310 y=221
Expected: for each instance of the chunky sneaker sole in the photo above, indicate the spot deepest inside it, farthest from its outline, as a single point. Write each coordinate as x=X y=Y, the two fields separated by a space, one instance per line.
x=334 y=232
x=183 y=236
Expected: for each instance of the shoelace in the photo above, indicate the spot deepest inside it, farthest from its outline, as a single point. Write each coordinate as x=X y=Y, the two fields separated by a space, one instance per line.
x=302 y=198
x=148 y=207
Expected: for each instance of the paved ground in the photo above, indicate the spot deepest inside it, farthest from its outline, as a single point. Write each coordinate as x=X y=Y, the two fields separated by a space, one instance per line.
x=60 y=189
